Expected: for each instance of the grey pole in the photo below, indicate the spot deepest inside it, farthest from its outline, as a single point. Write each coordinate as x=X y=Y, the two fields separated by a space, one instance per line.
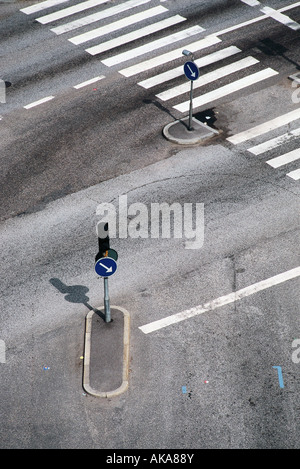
x=106 y=301
x=191 y=107
x=188 y=53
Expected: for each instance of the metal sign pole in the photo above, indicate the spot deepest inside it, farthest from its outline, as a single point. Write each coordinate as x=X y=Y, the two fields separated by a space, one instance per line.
x=106 y=301
x=191 y=71
x=191 y=107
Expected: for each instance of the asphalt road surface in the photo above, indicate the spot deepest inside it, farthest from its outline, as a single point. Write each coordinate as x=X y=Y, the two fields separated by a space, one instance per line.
x=89 y=88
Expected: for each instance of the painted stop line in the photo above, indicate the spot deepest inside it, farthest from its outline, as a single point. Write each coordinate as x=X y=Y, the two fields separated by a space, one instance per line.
x=221 y=301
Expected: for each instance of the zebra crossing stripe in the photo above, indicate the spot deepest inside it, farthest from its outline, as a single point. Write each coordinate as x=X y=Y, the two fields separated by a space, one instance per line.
x=274 y=142
x=178 y=71
x=69 y=11
x=151 y=46
x=137 y=34
x=41 y=6
x=227 y=89
x=100 y=15
x=208 y=78
x=173 y=55
x=294 y=174
x=98 y=32
x=265 y=127
x=284 y=159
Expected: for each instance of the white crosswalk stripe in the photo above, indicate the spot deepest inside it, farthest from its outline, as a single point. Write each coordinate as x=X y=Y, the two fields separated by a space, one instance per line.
x=277 y=143
x=274 y=142
x=265 y=127
x=294 y=174
x=137 y=34
x=284 y=159
x=133 y=19
x=151 y=46
x=208 y=78
x=69 y=11
x=227 y=89
x=98 y=16
x=42 y=6
x=175 y=54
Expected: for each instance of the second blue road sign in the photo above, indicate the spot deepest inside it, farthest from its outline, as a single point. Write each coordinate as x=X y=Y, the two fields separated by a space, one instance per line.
x=105 y=267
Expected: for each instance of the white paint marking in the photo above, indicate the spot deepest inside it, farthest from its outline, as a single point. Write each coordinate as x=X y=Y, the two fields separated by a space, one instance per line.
x=274 y=142
x=284 y=159
x=294 y=174
x=283 y=19
x=254 y=20
x=251 y=3
x=176 y=54
x=2 y=351
x=178 y=71
x=227 y=89
x=69 y=11
x=221 y=301
x=37 y=103
x=208 y=78
x=137 y=34
x=100 y=15
x=265 y=127
x=151 y=46
x=88 y=82
x=41 y=6
x=124 y=22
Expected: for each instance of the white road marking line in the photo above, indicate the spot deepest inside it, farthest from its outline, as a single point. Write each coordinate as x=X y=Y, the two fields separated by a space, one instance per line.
x=178 y=71
x=294 y=174
x=221 y=301
x=69 y=11
x=227 y=89
x=41 y=6
x=274 y=142
x=284 y=159
x=137 y=34
x=151 y=46
x=88 y=82
x=289 y=7
x=208 y=78
x=265 y=127
x=100 y=15
x=255 y=20
x=172 y=55
x=124 y=22
x=37 y=103
x=281 y=18
x=251 y=3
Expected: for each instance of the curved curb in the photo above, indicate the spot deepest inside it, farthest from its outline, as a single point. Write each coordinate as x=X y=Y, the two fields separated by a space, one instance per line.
x=204 y=133
x=87 y=356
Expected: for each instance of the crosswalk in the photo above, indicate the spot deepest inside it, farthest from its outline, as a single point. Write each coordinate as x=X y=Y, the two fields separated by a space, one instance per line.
x=101 y=28
x=278 y=143
x=67 y=18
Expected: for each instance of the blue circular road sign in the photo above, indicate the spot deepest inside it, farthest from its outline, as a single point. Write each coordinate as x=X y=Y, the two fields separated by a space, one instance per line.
x=105 y=266
x=191 y=71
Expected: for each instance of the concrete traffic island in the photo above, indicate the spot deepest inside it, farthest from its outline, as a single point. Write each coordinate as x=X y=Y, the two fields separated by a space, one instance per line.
x=106 y=353
x=178 y=132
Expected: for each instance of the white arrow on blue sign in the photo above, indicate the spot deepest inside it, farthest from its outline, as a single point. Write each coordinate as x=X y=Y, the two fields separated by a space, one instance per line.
x=105 y=266
x=191 y=71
